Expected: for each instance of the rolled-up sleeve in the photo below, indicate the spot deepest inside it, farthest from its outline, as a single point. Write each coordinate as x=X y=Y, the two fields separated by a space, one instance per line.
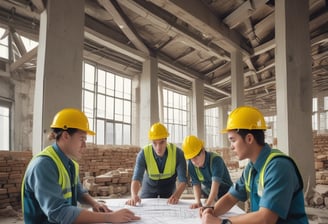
x=238 y=189
x=140 y=167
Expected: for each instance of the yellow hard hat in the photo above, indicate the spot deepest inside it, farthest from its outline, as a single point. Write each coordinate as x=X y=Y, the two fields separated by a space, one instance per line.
x=157 y=131
x=245 y=117
x=191 y=146
x=71 y=118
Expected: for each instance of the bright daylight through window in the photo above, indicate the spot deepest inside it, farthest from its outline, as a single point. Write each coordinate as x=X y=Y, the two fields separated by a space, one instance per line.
x=107 y=104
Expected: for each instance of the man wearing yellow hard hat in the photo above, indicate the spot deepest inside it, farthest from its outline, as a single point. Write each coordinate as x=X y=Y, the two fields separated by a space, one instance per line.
x=51 y=186
x=164 y=163
x=208 y=172
x=271 y=179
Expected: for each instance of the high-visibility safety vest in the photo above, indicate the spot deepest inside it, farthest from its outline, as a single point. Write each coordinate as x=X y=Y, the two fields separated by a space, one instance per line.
x=170 y=164
x=64 y=177
x=273 y=154
x=199 y=173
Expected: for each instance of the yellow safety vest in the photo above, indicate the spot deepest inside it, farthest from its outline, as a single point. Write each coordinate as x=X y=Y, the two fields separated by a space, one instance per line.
x=247 y=177
x=63 y=179
x=197 y=170
x=170 y=164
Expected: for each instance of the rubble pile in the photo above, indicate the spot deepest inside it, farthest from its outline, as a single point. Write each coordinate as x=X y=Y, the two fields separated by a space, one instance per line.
x=320 y=197
x=320 y=147
x=113 y=183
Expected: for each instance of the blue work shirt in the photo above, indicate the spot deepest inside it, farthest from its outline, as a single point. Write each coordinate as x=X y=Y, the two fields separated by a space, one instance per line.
x=217 y=172
x=282 y=192
x=43 y=199
x=163 y=188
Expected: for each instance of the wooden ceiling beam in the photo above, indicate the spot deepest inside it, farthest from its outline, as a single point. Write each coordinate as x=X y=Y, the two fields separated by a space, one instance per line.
x=124 y=24
x=201 y=18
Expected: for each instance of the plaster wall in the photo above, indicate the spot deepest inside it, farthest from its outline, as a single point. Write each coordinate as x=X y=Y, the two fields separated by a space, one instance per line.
x=18 y=91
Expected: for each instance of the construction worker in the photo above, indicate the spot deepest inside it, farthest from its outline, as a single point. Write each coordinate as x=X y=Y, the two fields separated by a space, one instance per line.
x=51 y=186
x=208 y=172
x=164 y=163
x=271 y=179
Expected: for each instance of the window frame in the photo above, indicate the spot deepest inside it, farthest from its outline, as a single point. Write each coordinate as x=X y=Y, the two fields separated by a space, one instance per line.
x=8 y=105
x=110 y=125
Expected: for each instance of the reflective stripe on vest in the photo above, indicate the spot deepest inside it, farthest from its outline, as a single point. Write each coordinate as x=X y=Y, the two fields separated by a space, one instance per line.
x=64 y=177
x=197 y=170
x=274 y=153
x=170 y=164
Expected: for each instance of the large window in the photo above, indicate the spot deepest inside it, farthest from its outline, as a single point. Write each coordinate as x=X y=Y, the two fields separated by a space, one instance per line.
x=176 y=114
x=107 y=104
x=212 y=131
x=315 y=113
x=4 y=126
x=325 y=113
x=4 y=53
x=271 y=132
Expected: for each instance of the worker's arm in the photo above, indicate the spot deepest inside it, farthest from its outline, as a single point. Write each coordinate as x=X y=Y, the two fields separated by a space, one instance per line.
x=96 y=206
x=223 y=205
x=122 y=215
x=174 y=199
x=138 y=172
x=197 y=194
x=213 y=193
x=261 y=216
x=182 y=177
x=135 y=187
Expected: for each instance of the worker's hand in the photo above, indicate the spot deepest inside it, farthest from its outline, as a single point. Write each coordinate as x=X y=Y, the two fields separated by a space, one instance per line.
x=133 y=201
x=100 y=207
x=173 y=200
x=206 y=209
x=209 y=218
x=196 y=205
x=122 y=215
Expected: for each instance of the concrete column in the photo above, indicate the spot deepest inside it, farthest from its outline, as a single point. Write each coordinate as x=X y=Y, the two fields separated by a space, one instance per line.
x=237 y=80
x=59 y=65
x=294 y=84
x=223 y=117
x=135 y=111
x=197 y=120
x=149 y=111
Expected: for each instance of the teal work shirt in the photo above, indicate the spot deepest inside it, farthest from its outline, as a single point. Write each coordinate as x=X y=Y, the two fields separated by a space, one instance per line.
x=282 y=189
x=43 y=199
x=217 y=172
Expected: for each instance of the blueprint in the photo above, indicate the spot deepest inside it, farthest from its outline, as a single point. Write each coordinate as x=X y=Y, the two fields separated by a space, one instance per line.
x=158 y=211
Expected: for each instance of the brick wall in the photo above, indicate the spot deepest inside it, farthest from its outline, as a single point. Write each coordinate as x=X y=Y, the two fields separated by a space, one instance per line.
x=99 y=160
x=96 y=160
x=320 y=147
x=12 y=169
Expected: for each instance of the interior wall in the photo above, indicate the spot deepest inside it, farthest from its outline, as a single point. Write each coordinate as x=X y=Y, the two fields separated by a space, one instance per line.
x=18 y=90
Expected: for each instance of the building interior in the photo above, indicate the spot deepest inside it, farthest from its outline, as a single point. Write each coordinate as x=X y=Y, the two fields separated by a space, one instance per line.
x=130 y=63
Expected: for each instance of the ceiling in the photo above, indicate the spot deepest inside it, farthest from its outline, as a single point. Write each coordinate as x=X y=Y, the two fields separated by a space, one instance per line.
x=191 y=40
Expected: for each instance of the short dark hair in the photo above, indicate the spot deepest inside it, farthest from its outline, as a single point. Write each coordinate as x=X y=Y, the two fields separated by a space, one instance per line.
x=258 y=135
x=58 y=131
